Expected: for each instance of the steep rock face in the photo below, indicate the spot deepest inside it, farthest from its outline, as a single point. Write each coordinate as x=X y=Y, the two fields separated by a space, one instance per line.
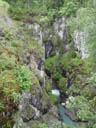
x=80 y=42
x=82 y=30
x=48 y=48
x=60 y=28
x=35 y=107
x=36 y=32
x=50 y=36
x=36 y=103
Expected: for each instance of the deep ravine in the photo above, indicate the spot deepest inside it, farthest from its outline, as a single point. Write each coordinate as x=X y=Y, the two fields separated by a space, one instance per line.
x=42 y=71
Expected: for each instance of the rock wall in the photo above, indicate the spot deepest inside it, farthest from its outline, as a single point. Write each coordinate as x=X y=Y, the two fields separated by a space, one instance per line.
x=35 y=104
x=50 y=35
x=80 y=42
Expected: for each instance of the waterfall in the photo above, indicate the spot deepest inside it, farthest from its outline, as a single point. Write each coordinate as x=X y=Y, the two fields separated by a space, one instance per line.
x=56 y=92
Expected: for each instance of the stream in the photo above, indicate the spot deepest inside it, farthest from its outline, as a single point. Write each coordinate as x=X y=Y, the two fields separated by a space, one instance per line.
x=65 y=118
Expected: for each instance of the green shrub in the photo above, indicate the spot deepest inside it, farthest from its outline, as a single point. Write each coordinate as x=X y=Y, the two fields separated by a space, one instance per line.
x=57 y=75
x=53 y=99
x=50 y=64
x=48 y=86
x=16 y=13
x=82 y=105
x=62 y=84
x=42 y=125
x=24 y=77
x=69 y=9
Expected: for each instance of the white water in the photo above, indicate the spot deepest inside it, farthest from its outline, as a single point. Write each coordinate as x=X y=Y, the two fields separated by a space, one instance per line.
x=56 y=92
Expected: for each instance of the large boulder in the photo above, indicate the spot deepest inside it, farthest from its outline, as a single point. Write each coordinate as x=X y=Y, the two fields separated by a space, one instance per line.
x=72 y=114
x=52 y=118
x=29 y=112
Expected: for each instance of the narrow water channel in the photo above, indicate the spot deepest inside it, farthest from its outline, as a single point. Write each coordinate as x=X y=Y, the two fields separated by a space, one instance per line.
x=65 y=118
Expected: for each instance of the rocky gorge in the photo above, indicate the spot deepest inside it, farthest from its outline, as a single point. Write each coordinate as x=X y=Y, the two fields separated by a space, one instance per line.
x=52 y=59
x=53 y=40
x=36 y=104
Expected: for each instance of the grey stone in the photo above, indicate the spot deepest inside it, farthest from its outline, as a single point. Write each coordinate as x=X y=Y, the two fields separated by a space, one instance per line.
x=72 y=114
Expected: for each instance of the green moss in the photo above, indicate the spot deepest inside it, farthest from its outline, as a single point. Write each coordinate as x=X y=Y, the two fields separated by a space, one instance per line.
x=69 y=37
x=45 y=100
x=31 y=44
x=62 y=84
x=53 y=53
x=6 y=123
x=57 y=75
x=57 y=41
x=46 y=39
x=48 y=85
x=34 y=123
x=50 y=64
x=53 y=99
x=70 y=61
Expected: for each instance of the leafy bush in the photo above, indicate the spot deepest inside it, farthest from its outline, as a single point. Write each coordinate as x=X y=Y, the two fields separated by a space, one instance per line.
x=24 y=77
x=82 y=105
x=53 y=99
x=16 y=13
x=50 y=64
x=44 y=19
x=48 y=86
x=42 y=125
x=92 y=79
x=69 y=9
x=62 y=84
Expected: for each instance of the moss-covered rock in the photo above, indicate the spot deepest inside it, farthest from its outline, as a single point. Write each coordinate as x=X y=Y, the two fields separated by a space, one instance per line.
x=28 y=113
x=34 y=123
x=62 y=84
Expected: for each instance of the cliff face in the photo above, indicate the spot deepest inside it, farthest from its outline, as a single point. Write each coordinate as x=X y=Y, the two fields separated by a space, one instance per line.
x=36 y=104
x=80 y=43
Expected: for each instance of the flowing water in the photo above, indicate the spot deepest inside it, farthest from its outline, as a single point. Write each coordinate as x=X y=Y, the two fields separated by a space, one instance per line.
x=56 y=92
x=65 y=118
